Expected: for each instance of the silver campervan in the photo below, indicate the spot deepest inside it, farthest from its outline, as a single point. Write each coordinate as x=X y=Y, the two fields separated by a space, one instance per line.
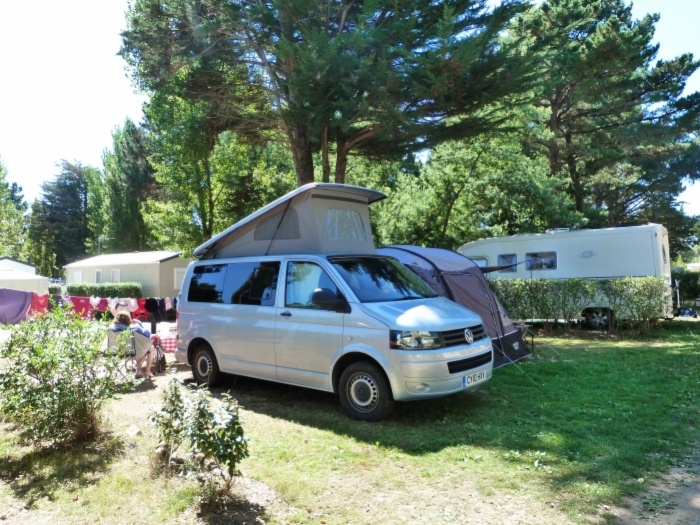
x=295 y=293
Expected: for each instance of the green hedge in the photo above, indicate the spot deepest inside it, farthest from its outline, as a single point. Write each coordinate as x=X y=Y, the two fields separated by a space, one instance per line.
x=689 y=288
x=55 y=290
x=637 y=299
x=129 y=289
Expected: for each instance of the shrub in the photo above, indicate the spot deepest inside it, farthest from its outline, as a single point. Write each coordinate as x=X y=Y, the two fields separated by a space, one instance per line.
x=170 y=420
x=646 y=297
x=217 y=443
x=128 y=289
x=571 y=296
x=55 y=290
x=57 y=377
x=637 y=299
x=689 y=288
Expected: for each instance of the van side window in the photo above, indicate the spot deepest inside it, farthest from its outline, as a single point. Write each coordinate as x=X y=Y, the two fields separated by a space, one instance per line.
x=303 y=278
x=541 y=261
x=252 y=283
x=508 y=259
x=207 y=285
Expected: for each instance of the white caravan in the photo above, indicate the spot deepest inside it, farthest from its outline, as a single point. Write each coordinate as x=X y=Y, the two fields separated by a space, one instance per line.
x=608 y=253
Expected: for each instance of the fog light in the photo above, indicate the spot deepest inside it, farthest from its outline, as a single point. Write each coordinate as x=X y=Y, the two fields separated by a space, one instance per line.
x=422 y=387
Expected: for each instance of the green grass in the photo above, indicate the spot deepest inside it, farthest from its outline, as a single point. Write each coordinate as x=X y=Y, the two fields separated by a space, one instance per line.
x=583 y=422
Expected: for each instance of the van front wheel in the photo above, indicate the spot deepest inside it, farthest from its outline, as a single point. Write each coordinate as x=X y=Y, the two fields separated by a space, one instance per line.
x=365 y=393
x=205 y=368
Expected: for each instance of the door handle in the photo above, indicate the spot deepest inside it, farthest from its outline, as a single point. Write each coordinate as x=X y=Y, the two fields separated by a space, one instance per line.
x=286 y=314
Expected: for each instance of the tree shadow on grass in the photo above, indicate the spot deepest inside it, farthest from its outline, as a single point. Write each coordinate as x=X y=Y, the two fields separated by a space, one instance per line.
x=37 y=474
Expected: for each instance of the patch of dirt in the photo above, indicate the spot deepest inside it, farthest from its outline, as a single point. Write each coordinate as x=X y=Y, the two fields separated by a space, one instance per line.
x=672 y=500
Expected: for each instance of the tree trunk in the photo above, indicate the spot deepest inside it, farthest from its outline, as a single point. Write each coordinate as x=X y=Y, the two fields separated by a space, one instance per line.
x=576 y=186
x=324 y=156
x=301 y=154
x=341 y=162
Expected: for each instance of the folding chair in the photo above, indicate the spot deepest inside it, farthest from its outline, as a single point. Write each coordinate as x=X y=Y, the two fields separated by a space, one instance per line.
x=134 y=348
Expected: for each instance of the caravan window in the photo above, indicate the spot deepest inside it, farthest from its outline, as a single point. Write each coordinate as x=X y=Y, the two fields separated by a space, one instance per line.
x=481 y=262
x=541 y=261
x=506 y=260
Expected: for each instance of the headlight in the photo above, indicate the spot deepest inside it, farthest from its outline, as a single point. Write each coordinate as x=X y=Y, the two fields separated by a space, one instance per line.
x=414 y=340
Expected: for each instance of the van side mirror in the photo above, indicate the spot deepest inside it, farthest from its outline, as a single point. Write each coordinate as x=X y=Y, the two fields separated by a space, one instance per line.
x=329 y=300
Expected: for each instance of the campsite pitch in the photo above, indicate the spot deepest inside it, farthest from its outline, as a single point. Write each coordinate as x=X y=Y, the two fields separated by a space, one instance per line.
x=588 y=421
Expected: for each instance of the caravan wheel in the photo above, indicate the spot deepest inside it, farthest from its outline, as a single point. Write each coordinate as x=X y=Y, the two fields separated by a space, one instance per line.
x=598 y=318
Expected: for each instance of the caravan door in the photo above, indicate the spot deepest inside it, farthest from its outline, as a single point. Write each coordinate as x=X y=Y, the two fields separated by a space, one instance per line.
x=308 y=338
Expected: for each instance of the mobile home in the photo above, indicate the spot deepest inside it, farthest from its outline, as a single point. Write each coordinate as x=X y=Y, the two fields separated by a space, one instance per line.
x=608 y=253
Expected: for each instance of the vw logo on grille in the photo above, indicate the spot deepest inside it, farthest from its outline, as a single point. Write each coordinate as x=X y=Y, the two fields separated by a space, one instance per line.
x=468 y=335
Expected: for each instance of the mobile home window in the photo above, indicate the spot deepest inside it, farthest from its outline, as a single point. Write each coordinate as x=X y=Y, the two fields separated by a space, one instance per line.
x=541 y=261
x=77 y=276
x=116 y=276
x=207 y=285
x=98 y=276
x=179 y=277
x=508 y=259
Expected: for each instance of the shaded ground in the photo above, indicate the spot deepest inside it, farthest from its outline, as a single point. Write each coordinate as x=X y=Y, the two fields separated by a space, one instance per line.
x=674 y=500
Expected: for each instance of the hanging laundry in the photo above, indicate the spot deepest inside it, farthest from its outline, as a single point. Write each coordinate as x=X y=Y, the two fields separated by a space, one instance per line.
x=14 y=305
x=40 y=303
x=81 y=306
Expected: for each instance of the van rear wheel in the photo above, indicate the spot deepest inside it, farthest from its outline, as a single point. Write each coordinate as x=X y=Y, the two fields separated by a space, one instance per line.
x=364 y=392
x=205 y=368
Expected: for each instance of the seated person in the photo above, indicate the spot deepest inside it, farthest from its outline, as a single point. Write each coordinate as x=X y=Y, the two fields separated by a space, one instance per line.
x=123 y=321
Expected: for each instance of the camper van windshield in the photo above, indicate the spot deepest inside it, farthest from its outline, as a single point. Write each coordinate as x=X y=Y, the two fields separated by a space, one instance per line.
x=380 y=279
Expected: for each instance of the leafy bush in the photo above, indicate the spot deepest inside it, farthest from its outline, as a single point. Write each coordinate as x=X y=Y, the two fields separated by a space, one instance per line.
x=128 y=289
x=55 y=290
x=170 y=420
x=217 y=443
x=571 y=296
x=637 y=299
x=645 y=298
x=689 y=288
x=612 y=294
x=57 y=377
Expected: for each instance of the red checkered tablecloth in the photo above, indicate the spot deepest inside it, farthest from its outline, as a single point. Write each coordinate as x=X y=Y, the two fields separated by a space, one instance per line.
x=169 y=342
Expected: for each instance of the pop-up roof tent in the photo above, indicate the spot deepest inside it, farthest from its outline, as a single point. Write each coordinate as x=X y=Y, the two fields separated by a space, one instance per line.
x=315 y=218
x=458 y=278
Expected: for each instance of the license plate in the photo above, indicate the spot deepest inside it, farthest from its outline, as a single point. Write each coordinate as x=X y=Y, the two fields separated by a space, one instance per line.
x=473 y=379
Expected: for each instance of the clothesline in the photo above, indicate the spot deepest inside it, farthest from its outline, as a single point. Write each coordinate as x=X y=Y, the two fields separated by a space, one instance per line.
x=16 y=305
